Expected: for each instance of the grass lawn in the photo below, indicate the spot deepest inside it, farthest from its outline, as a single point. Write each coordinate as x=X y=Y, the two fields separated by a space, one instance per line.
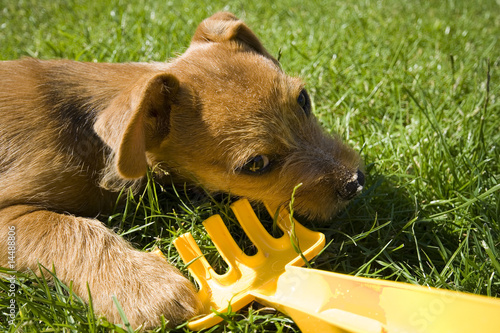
x=413 y=85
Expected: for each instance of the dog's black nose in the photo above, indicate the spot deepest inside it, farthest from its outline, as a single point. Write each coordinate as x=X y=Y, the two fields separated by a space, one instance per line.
x=353 y=186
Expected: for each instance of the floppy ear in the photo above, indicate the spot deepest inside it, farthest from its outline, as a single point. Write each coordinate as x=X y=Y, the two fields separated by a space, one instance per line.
x=137 y=119
x=223 y=27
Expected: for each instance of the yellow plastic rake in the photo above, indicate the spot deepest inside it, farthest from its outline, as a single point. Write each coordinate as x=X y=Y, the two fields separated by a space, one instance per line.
x=320 y=301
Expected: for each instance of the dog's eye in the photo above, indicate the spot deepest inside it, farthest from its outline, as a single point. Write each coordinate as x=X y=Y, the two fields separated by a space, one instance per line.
x=257 y=165
x=304 y=102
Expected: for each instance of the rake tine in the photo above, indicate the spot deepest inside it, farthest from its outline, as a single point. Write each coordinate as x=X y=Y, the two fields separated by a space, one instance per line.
x=253 y=228
x=226 y=246
x=199 y=267
x=306 y=238
x=283 y=218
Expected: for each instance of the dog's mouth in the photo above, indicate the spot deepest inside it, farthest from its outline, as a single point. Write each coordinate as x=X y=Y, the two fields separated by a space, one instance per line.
x=321 y=202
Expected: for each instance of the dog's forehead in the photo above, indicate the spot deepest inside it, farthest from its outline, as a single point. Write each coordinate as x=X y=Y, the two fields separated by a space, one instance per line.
x=243 y=97
x=226 y=67
x=244 y=84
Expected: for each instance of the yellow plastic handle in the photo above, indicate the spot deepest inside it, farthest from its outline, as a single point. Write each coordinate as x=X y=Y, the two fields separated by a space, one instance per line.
x=321 y=301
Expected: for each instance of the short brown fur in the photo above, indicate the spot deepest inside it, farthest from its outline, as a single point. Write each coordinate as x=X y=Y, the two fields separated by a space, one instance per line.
x=73 y=134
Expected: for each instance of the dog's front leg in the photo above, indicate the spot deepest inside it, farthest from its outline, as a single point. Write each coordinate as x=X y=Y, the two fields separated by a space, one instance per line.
x=85 y=251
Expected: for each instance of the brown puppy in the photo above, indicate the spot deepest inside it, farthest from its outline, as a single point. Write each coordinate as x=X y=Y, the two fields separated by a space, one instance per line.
x=223 y=115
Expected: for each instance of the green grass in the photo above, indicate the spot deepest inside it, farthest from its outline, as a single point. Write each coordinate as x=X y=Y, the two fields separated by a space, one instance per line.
x=413 y=85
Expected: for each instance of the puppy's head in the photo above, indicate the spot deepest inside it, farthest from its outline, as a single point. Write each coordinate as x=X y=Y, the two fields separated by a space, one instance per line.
x=225 y=116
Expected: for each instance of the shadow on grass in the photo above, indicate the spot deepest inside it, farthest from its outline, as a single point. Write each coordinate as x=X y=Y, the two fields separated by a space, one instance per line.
x=384 y=234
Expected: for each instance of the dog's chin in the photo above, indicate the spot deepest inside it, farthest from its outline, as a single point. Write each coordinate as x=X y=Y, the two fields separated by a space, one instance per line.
x=320 y=212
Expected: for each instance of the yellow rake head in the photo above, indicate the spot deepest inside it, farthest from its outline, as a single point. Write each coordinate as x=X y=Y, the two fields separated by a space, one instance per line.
x=321 y=301
x=246 y=274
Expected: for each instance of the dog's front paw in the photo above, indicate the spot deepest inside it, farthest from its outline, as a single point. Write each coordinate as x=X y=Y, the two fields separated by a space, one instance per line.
x=146 y=287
